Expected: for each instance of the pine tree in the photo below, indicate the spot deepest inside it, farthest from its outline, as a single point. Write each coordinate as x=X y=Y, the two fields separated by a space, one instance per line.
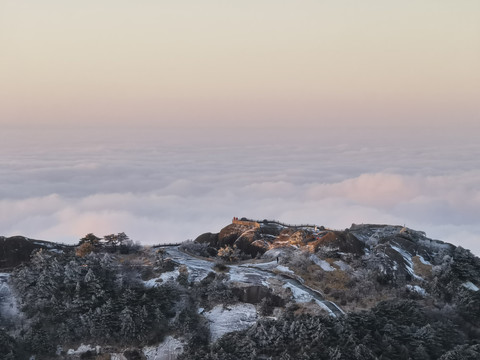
x=90 y=239
x=420 y=353
x=127 y=324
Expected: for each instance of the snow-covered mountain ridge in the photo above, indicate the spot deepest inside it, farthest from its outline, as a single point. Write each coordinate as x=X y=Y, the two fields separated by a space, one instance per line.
x=254 y=290
x=334 y=261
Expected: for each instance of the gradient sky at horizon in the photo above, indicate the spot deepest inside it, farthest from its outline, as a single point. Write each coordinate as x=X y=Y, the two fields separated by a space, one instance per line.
x=215 y=63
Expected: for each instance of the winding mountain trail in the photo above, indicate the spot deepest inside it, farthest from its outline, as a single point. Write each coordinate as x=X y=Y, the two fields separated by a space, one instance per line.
x=257 y=274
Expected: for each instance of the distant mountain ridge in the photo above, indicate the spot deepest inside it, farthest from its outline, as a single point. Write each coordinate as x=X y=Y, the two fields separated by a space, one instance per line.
x=15 y=250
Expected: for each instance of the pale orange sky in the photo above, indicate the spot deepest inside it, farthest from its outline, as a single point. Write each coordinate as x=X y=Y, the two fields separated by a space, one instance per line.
x=253 y=63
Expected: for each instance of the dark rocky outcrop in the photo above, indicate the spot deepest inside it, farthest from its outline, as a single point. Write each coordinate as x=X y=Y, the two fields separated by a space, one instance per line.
x=255 y=294
x=208 y=238
x=18 y=249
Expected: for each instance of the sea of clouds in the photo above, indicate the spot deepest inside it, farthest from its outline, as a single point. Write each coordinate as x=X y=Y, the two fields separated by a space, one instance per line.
x=168 y=186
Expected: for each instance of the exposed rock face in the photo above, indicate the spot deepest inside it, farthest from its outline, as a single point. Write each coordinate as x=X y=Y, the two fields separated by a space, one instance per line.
x=243 y=236
x=261 y=245
x=399 y=252
x=251 y=294
x=396 y=252
x=337 y=241
x=208 y=238
x=17 y=249
x=233 y=232
x=297 y=238
x=263 y=236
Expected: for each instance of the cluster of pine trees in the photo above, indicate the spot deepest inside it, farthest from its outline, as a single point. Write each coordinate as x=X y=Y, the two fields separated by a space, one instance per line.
x=8 y=346
x=96 y=297
x=65 y=298
x=449 y=282
x=397 y=329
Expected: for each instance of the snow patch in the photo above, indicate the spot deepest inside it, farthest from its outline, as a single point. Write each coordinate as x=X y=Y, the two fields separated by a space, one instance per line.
x=417 y=289
x=171 y=275
x=45 y=244
x=268 y=265
x=237 y=276
x=423 y=261
x=83 y=349
x=151 y=283
x=198 y=269
x=169 y=349
x=284 y=269
x=298 y=294
x=342 y=265
x=117 y=356
x=274 y=253
x=471 y=286
x=163 y=278
x=408 y=260
x=272 y=265
x=56 y=251
x=301 y=296
x=322 y=263
x=243 y=274
x=233 y=318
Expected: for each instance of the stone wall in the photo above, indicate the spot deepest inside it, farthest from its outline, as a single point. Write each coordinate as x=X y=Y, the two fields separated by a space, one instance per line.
x=246 y=223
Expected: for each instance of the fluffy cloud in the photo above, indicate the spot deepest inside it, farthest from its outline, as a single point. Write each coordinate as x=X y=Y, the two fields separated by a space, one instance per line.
x=158 y=192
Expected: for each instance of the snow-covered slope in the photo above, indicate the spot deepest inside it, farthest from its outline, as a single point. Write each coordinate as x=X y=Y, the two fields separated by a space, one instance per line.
x=260 y=281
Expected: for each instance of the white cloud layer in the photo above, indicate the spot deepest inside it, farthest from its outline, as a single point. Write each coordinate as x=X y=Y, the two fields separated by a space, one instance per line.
x=157 y=190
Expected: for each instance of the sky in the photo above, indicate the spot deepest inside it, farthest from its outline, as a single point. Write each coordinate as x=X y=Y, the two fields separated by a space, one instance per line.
x=165 y=119
x=211 y=63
